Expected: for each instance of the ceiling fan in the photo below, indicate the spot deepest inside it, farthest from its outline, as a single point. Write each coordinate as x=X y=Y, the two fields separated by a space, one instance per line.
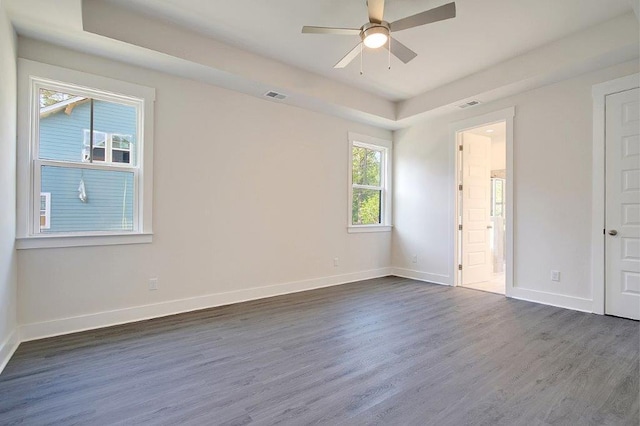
x=377 y=32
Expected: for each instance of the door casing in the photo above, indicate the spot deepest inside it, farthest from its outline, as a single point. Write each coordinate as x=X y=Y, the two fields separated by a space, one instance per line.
x=456 y=129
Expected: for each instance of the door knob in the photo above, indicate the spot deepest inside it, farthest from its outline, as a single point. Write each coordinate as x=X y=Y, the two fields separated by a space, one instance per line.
x=613 y=232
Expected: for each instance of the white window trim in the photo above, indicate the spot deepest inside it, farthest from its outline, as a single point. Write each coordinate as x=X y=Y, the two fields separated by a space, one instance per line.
x=28 y=236
x=387 y=147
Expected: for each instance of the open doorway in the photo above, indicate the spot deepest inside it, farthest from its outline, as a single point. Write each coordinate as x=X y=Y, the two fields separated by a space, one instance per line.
x=482 y=213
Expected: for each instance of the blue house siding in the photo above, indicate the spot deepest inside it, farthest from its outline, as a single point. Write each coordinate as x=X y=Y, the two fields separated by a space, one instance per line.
x=109 y=204
x=62 y=135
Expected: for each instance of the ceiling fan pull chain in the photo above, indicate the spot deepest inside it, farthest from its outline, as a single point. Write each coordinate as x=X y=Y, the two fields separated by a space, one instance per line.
x=389 y=49
x=361 y=54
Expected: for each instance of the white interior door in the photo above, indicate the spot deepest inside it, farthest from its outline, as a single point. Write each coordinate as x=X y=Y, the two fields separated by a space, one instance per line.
x=622 y=233
x=476 y=204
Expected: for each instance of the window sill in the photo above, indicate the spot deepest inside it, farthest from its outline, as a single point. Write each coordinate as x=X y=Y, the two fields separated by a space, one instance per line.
x=368 y=228
x=57 y=241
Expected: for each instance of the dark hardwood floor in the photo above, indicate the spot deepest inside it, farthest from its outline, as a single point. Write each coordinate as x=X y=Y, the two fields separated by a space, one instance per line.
x=385 y=351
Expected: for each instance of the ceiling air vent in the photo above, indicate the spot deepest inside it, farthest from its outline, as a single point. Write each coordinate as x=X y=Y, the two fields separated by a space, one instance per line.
x=469 y=104
x=275 y=95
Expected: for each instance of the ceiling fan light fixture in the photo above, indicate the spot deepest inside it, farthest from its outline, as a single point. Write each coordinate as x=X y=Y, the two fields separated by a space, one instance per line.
x=377 y=32
x=375 y=36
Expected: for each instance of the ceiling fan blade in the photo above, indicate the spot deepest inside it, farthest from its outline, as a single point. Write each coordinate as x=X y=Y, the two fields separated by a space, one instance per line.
x=401 y=51
x=376 y=10
x=441 y=13
x=328 y=30
x=348 y=57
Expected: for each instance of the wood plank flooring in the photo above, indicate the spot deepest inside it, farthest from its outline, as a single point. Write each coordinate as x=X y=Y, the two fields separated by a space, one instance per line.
x=386 y=351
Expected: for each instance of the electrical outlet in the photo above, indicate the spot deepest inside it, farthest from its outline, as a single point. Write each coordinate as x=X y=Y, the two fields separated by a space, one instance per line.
x=336 y=262
x=153 y=283
x=555 y=275
x=414 y=258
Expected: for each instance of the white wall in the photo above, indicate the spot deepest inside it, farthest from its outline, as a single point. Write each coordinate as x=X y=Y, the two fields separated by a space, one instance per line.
x=247 y=193
x=251 y=193
x=552 y=168
x=8 y=264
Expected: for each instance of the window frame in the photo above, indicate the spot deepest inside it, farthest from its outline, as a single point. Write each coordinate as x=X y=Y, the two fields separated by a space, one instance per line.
x=386 y=148
x=32 y=76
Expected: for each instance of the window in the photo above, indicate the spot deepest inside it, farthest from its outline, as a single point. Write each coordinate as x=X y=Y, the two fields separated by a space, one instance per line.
x=120 y=148
x=83 y=142
x=370 y=184
x=367 y=183
x=45 y=210
x=107 y=147
x=99 y=144
x=497 y=197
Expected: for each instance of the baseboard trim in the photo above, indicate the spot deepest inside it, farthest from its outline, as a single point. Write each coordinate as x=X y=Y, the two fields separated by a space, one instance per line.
x=76 y=324
x=553 y=299
x=8 y=348
x=420 y=276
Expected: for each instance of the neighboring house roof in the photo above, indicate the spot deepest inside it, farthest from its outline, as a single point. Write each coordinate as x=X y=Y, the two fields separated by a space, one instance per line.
x=67 y=106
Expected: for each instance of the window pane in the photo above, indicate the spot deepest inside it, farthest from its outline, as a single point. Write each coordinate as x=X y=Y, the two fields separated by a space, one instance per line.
x=45 y=199
x=119 y=122
x=373 y=167
x=366 y=206
x=63 y=120
x=121 y=141
x=499 y=190
x=366 y=166
x=118 y=156
x=98 y=154
x=99 y=146
x=358 y=165
x=497 y=194
x=108 y=204
x=99 y=138
x=65 y=123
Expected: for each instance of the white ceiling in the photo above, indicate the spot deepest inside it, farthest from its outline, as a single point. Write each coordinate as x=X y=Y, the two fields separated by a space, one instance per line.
x=484 y=33
x=496 y=131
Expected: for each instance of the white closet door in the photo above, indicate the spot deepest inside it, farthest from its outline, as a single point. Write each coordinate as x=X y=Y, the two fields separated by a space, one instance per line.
x=622 y=233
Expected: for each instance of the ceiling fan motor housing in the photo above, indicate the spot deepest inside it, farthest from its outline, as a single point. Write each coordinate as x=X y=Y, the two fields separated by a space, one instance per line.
x=371 y=30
